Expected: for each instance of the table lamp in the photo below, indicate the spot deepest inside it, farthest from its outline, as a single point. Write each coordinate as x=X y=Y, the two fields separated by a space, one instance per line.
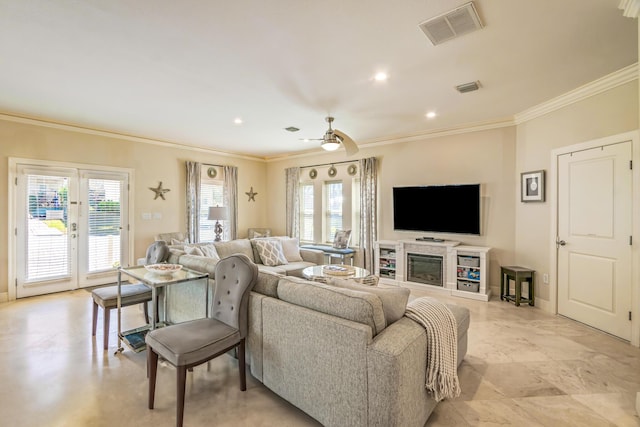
x=218 y=213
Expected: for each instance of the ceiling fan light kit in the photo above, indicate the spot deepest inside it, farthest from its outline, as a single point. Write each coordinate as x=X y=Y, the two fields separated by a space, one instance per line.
x=330 y=144
x=333 y=138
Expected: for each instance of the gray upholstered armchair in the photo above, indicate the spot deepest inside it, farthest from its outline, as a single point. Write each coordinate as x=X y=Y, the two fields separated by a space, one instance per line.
x=188 y=344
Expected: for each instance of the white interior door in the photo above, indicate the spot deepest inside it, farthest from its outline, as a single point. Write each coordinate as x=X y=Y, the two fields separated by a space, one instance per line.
x=594 y=237
x=71 y=228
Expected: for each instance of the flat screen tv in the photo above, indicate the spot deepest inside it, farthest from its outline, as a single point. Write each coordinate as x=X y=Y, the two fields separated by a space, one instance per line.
x=437 y=208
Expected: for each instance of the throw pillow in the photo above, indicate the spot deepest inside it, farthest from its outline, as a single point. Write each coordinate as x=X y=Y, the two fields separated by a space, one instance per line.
x=179 y=242
x=290 y=249
x=394 y=300
x=193 y=250
x=210 y=251
x=270 y=252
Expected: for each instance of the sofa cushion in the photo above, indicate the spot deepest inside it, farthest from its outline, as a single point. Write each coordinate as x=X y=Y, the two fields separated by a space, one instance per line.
x=270 y=252
x=361 y=307
x=267 y=283
x=394 y=300
x=238 y=246
x=199 y=263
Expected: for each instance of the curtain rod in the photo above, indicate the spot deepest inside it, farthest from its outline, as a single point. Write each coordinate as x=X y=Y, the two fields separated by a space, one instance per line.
x=210 y=164
x=329 y=164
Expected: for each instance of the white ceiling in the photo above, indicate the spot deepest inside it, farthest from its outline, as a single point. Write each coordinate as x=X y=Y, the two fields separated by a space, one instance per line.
x=182 y=71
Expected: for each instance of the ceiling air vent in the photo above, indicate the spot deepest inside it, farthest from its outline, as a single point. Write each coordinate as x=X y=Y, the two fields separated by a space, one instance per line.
x=468 y=87
x=450 y=25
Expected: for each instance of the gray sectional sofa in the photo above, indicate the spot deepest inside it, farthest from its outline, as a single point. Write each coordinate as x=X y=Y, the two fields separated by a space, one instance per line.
x=331 y=351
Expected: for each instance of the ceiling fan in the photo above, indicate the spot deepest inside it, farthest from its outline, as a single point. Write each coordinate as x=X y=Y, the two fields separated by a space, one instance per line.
x=333 y=138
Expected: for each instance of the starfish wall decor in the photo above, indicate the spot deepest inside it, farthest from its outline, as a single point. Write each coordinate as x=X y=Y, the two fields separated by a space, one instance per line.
x=159 y=191
x=252 y=195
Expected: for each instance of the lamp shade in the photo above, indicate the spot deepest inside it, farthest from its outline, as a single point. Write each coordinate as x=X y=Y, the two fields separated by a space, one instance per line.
x=218 y=213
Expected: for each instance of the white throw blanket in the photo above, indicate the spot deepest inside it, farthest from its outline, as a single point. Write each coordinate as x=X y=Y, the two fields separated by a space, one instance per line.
x=442 y=345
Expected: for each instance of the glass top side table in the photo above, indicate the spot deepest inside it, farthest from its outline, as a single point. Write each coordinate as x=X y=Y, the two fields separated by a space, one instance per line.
x=153 y=281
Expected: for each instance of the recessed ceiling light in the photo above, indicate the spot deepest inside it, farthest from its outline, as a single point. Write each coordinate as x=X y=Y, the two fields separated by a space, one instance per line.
x=237 y=121
x=381 y=77
x=430 y=114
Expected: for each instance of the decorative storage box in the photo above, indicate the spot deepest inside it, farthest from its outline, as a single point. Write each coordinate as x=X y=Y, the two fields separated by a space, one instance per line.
x=463 y=285
x=468 y=261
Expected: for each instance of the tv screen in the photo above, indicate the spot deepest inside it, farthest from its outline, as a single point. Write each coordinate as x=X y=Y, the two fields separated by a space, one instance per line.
x=437 y=208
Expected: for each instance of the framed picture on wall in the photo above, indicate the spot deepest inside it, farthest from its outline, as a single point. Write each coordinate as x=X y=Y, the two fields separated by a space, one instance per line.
x=532 y=186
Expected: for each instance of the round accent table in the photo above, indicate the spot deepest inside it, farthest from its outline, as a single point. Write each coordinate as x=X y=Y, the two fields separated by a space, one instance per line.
x=320 y=273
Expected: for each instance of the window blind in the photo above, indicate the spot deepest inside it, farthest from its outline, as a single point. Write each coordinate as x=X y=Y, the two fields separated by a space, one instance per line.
x=47 y=238
x=211 y=194
x=333 y=203
x=306 y=212
x=105 y=223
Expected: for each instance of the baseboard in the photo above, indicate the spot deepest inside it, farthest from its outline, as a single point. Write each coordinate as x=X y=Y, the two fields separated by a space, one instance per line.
x=544 y=305
x=4 y=296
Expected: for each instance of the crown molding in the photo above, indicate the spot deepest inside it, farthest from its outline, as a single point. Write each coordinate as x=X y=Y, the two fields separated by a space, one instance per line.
x=116 y=135
x=436 y=133
x=630 y=8
x=610 y=81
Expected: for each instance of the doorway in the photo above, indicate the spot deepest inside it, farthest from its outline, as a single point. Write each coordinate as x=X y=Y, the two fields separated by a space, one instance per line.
x=594 y=227
x=70 y=226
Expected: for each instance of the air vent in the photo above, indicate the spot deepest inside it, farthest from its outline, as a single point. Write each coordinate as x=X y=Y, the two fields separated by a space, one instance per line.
x=450 y=25
x=468 y=87
x=292 y=129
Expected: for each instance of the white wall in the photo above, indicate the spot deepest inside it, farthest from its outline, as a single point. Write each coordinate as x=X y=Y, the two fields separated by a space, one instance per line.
x=485 y=157
x=609 y=113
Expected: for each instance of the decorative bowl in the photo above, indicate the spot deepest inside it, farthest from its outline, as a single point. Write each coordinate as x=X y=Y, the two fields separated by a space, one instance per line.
x=163 y=269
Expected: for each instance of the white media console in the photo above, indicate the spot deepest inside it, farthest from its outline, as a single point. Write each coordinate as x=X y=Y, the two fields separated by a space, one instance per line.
x=440 y=266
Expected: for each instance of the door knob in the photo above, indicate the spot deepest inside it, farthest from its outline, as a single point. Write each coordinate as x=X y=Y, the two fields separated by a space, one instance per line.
x=560 y=243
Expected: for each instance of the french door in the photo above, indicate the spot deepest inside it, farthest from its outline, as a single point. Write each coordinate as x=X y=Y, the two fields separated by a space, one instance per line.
x=71 y=227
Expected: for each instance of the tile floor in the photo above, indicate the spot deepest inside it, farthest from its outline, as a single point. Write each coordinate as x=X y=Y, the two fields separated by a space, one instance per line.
x=524 y=368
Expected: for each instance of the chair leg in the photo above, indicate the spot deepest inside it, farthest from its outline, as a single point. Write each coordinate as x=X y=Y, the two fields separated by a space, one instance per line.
x=106 y=314
x=95 y=319
x=181 y=380
x=241 y=366
x=152 y=369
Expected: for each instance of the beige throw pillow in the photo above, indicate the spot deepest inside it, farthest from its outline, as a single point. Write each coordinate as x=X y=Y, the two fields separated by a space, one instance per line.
x=270 y=252
x=290 y=249
x=394 y=300
x=193 y=250
x=210 y=251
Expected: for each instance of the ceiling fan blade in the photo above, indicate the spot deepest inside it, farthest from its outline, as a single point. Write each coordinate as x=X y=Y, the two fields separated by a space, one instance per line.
x=349 y=145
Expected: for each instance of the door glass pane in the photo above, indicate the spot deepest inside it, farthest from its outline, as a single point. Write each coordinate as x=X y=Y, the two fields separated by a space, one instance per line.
x=105 y=222
x=47 y=251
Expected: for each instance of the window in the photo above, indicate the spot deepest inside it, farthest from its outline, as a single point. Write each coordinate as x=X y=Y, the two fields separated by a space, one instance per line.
x=306 y=212
x=333 y=203
x=211 y=194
